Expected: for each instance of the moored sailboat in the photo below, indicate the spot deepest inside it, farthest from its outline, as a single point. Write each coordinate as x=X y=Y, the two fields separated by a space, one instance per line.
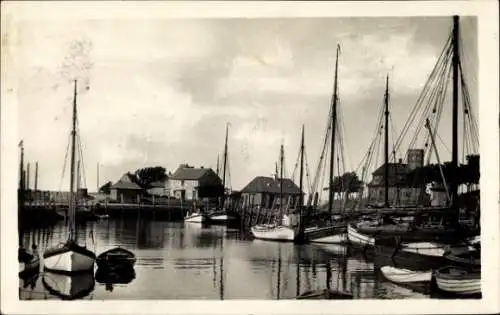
x=291 y=226
x=70 y=257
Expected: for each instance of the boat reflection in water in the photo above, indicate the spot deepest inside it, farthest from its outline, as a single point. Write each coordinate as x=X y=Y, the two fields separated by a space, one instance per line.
x=123 y=274
x=69 y=287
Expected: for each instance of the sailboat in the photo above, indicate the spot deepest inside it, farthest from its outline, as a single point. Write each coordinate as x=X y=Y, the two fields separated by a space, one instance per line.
x=222 y=215
x=70 y=257
x=291 y=226
x=29 y=260
x=332 y=233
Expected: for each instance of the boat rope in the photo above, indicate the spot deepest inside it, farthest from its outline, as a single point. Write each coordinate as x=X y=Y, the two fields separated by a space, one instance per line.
x=64 y=163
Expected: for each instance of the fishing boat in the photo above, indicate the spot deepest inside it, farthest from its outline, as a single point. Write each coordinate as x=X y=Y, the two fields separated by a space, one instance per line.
x=221 y=215
x=460 y=281
x=69 y=286
x=195 y=217
x=116 y=256
x=291 y=226
x=399 y=275
x=70 y=256
x=359 y=239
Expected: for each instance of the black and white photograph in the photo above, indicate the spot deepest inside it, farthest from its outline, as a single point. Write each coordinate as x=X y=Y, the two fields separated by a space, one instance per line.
x=185 y=152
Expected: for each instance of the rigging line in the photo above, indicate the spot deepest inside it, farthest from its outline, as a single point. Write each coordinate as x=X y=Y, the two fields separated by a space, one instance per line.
x=429 y=104
x=82 y=164
x=445 y=55
x=65 y=161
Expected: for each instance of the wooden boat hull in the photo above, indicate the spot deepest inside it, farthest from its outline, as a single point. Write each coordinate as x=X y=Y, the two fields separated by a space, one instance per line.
x=69 y=287
x=121 y=275
x=399 y=275
x=69 y=258
x=220 y=218
x=274 y=233
x=195 y=218
x=358 y=239
x=458 y=281
x=116 y=256
x=470 y=259
x=338 y=239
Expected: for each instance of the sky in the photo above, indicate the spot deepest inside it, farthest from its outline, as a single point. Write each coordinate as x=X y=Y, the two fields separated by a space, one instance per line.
x=160 y=91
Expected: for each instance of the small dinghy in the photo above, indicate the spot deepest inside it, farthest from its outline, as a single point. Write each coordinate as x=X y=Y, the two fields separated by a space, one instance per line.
x=470 y=258
x=399 y=275
x=359 y=239
x=324 y=295
x=115 y=257
x=458 y=280
x=122 y=275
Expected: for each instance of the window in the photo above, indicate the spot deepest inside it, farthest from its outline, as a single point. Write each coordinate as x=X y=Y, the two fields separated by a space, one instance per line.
x=182 y=183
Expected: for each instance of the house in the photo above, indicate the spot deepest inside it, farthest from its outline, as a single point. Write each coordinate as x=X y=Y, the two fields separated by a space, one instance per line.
x=265 y=192
x=159 y=188
x=399 y=192
x=126 y=190
x=191 y=183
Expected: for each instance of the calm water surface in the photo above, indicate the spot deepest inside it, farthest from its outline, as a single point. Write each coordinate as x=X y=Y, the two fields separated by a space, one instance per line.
x=188 y=261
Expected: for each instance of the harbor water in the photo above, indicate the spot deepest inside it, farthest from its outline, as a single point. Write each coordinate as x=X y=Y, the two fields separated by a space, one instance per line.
x=177 y=260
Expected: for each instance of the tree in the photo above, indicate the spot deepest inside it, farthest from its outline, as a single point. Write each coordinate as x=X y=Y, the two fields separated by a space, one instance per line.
x=347 y=183
x=106 y=188
x=148 y=175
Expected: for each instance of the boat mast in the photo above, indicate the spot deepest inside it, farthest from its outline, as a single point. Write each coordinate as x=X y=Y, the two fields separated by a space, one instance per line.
x=333 y=127
x=301 y=186
x=282 y=153
x=71 y=209
x=217 y=165
x=97 y=177
x=386 y=144
x=20 y=198
x=455 y=64
x=224 y=167
x=36 y=175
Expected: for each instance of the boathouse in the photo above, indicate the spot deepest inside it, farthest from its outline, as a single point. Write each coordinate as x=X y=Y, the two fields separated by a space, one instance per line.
x=126 y=190
x=192 y=183
x=265 y=192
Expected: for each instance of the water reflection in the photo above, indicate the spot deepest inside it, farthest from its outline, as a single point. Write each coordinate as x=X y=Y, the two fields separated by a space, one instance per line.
x=189 y=261
x=69 y=287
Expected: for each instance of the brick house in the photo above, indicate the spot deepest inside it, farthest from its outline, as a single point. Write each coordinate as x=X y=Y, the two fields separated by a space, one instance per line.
x=191 y=183
x=265 y=191
x=400 y=193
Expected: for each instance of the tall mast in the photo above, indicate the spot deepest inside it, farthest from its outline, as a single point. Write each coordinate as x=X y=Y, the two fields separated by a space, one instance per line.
x=97 y=177
x=386 y=144
x=333 y=127
x=455 y=62
x=28 y=176
x=71 y=209
x=218 y=165
x=301 y=185
x=282 y=153
x=224 y=167
x=36 y=175
x=20 y=198
x=21 y=167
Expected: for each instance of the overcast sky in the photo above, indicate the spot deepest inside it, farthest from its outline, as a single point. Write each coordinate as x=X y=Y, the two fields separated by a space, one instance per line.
x=161 y=91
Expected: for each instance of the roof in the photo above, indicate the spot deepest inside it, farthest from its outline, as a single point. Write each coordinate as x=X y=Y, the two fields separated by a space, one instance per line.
x=185 y=172
x=398 y=168
x=262 y=184
x=157 y=184
x=126 y=182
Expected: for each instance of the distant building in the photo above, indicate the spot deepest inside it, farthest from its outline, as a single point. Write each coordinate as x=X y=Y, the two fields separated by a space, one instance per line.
x=399 y=192
x=126 y=190
x=159 y=188
x=191 y=183
x=265 y=192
